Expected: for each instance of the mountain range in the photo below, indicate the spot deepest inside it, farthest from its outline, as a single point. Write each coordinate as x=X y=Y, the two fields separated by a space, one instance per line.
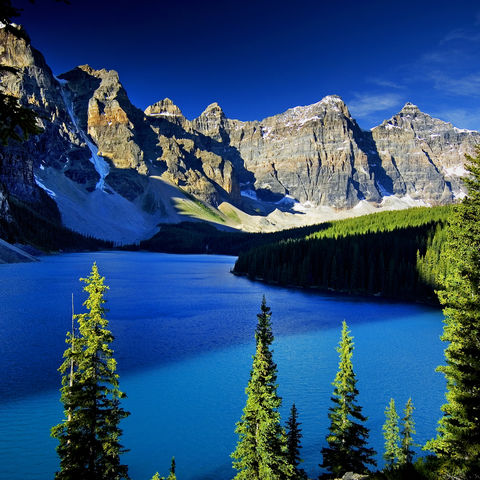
x=105 y=168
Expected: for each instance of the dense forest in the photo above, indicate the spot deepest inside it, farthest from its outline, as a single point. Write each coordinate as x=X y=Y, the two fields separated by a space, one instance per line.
x=395 y=254
x=200 y=237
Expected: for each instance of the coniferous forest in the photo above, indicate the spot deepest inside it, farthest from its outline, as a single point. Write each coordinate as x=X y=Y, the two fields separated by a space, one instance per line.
x=393 y=254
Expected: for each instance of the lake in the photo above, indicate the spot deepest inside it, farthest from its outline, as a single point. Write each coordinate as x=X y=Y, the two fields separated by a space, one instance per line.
x=184 y=342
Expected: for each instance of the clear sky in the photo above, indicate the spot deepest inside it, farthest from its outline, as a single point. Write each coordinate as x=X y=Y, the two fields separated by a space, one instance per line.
x=258 y=58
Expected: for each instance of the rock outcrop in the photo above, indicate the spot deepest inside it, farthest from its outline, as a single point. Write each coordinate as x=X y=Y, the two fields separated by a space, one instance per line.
x=102 y=160
x=166 y=109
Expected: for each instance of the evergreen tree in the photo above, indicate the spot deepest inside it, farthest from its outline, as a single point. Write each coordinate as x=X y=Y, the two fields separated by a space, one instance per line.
x=458 y=440
x=172 y=475
x=391 y=433
x=347 y=449
x=294 y=435
x=89 y=438
x=408 y=430
x=261 y=449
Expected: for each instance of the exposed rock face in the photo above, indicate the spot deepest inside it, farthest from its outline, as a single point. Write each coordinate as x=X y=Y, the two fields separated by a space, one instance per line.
x=59 y=145
x=422 y=156
x=105 y=113
x=166 y=109
x=316 y=154
x=99 y=153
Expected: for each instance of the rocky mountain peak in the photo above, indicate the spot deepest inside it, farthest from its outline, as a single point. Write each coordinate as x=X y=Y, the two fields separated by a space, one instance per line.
x=410 y=108
x=104 y=74
x=164 y=108
x=212 y=122
x=214 y=109
x=410 y=117
x=335 y=103
x=334 y=100
x=15 y=48
x=302 y=115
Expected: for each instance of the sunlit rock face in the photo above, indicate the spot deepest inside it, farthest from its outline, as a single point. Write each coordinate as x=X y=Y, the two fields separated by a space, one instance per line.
x=318 y=154
x=99 y=149
x=315 y=154
x=422 y=156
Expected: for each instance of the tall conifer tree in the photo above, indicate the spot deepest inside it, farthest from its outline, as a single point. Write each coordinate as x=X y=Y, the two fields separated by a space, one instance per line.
x=408 y=430
x=89 y=438
x=391 y=433
x=294 y=436
x=347 y=449
x=261 y=452
x=458 y=439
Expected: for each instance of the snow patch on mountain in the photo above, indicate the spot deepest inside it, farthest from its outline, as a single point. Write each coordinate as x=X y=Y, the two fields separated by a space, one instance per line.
x=101 y=166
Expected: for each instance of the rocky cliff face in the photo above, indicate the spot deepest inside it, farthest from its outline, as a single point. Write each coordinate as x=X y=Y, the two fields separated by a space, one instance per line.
x=110 y=168
x=33 y=83
x=423 y=157
x=315 y=154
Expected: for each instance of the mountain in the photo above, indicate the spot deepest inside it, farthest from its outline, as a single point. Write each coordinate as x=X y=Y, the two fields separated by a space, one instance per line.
x=107 y=169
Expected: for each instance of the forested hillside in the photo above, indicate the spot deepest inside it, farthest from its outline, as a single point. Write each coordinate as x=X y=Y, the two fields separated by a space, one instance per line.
x=394 y=254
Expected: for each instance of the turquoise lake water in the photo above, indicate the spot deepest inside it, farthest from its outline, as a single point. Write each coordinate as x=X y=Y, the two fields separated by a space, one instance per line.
x=184 y=341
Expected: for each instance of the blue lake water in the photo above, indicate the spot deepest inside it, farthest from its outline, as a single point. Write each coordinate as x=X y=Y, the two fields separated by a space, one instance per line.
x=184 y=341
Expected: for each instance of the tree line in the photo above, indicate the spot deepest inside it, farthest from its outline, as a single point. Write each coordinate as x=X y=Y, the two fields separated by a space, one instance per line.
x=395 y=254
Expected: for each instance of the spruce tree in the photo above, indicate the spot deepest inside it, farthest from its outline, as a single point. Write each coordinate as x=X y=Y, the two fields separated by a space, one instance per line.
x=347 y=449
x=89 y=438
x=261 y=449
x=294 y=436
x=458 y=440
x=408 y=430
x=391 y=433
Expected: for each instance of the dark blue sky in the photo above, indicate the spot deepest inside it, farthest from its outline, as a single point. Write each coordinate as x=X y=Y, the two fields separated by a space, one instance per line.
x=258 y=58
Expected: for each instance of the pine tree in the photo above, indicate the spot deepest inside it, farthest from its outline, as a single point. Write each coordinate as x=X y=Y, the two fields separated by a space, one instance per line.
x=391 y=433
x=408 y=430
x=347 y=449
x=458 y=440
x=261 y=449
x=294 y=436
x=89 y=438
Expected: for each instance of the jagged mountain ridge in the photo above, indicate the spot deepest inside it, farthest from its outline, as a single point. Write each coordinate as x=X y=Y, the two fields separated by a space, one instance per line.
x=113 y=170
